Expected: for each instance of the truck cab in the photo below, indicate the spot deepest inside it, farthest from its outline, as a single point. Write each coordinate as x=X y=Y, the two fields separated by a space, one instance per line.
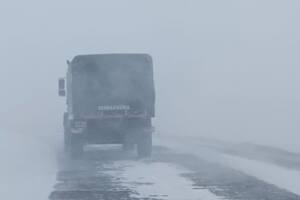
x=110 y=100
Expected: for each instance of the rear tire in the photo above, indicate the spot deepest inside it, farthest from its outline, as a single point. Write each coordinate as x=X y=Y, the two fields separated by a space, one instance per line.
x=128 y=146
x=144 y=146
x=76 y=147
x=66 y=141
x=128 y=143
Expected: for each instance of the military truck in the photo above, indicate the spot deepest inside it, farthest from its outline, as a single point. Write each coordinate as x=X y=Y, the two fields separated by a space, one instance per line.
x=110 y=100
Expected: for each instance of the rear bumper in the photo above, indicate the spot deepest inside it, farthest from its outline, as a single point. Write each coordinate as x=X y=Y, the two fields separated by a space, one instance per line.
x=110 y=130
x=118 y=114
x=77 y=131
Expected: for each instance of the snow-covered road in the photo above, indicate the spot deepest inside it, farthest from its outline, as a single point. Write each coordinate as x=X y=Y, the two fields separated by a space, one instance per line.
x=175 y=171
x=188 y=169
x=261 y=167
x=157 y=180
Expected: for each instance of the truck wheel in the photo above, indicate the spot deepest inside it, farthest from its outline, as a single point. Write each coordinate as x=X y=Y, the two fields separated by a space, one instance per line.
x=128 y=143
x=128 y=146
x=144 y=146
x=76 y=148
x=66 y=142
x=66 y=132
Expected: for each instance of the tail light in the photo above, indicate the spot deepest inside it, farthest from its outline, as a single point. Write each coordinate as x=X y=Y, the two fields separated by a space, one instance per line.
x=79 y=124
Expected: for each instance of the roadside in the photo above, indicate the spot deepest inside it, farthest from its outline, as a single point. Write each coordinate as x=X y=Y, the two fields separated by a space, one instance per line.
x=270 y=154
x=241 y=159
x=28 y=167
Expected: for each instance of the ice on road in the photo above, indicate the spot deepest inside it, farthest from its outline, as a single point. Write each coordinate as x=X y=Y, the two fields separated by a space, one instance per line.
x=157 y=180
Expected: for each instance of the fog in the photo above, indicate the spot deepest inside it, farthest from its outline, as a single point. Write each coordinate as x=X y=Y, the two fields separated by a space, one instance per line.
x=223 y=69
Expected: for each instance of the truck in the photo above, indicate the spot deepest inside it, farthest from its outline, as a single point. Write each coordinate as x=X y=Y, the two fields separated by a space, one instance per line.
x=110 y=99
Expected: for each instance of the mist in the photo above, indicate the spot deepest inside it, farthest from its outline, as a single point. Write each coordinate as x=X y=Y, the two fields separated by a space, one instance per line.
x=227 y=70
x=222 y=69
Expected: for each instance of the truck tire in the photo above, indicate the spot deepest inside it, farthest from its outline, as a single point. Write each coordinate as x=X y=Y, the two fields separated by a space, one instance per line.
x=144 y=145
x=66 y=133
x=128 y=146
x=76 y=147
x=66 y=141
x=128 y=143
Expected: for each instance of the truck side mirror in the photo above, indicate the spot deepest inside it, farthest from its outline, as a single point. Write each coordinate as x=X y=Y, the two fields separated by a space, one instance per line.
x=61 y=87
